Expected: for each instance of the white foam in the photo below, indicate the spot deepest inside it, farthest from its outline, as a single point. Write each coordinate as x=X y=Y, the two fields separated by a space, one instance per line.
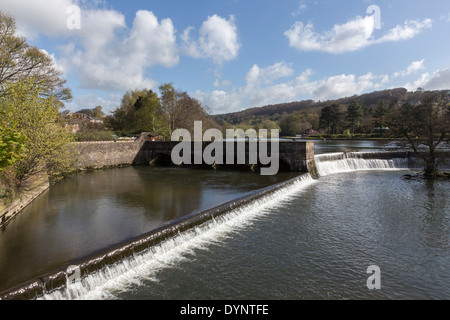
x=327 y=164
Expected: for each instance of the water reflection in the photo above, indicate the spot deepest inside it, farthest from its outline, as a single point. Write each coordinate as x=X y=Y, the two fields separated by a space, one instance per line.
x=434 y=220
x=319 y=244
x=325 y=146
x=94 y=210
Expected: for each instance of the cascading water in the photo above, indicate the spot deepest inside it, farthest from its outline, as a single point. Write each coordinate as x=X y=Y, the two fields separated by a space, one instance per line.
x=132 y=270
x=103 y=283
x=355 y=161
x=104 y=279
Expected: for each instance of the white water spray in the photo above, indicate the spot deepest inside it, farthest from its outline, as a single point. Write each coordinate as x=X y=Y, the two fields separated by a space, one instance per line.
x=330 y=163
x=107 y=282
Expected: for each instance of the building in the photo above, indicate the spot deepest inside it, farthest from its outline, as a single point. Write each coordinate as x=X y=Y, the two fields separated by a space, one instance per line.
x=307 y=133
x=153 y=136
x=76 y=120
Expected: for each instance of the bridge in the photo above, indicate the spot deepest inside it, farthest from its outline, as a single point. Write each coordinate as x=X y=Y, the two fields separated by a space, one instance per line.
x=291 y=156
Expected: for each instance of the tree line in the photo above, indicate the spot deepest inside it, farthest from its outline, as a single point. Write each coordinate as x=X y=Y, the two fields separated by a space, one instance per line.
x=357 y=118
x=363 y=115
x=145 y=111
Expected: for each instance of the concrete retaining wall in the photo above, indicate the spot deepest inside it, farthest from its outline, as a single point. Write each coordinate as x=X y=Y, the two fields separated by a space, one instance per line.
x=23 y=200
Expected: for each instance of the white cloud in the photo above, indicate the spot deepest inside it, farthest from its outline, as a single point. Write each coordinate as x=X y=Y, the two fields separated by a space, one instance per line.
x=220 y=101
x=439 y=80
x=261 y=90
x=223 y=83
x=260 y=96
x=35 y=17
x=303 y=78
x=151 y=42
x=105 y=53
x=58 y=66
x=90 y=101
x=258 y=76
x=405 y=32
x=412 y=68
x=346 y=37
x=340 y=86
x=217 y=40
x=350 y=36
x=108 y=62
x=302 y=6
x=418 y=83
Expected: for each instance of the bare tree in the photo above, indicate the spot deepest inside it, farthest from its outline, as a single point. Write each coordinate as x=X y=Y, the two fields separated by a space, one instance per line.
x=425 y=127
x=19 y=60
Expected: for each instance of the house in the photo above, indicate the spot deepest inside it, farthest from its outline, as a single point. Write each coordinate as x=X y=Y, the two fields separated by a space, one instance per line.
x=95 y=120
x=153 y=136
x=75 y=127
x=307 y=133
x=76 y=120
x=311 y=131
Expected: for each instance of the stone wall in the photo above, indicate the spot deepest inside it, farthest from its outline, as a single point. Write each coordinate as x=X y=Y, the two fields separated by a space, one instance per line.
x=95 y=155
x=295 y=155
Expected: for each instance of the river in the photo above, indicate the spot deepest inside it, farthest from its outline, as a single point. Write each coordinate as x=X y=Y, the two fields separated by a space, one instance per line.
x=312 y=240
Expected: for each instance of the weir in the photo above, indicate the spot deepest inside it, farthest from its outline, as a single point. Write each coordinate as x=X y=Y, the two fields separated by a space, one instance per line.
x=112 y=257
x=330 y=163
x=353 y=161
x=121 y=258
x=295 y=156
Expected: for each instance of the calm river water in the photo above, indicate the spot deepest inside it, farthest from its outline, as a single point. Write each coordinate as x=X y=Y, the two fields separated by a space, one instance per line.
x=314 y=240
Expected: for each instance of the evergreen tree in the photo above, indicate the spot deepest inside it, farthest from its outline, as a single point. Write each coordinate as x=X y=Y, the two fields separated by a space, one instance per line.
x=331 y=119
x=381 y=115
x=354 y=115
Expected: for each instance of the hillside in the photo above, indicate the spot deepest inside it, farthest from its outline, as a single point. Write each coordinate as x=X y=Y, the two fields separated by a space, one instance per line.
x=277 y=111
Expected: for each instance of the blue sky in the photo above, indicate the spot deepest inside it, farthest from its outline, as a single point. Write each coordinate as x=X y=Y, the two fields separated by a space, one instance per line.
x=237 y=54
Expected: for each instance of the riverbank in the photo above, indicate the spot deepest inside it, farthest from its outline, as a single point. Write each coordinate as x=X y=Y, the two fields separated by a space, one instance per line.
x=90 y=156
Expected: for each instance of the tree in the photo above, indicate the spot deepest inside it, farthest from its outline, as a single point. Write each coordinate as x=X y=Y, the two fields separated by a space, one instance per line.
x=294 y=124
x=98 y=112
x=143 y=110
x=19 y=60
x=331 y=118
x=168 y=103
x=37 y=118
x=266 y=124
x=425 y=127
x=188 y=110
x=11 y=145
x=139 y=111
x=354 y=115
x=123 y=120
x=381 y=116
x=148 y=113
